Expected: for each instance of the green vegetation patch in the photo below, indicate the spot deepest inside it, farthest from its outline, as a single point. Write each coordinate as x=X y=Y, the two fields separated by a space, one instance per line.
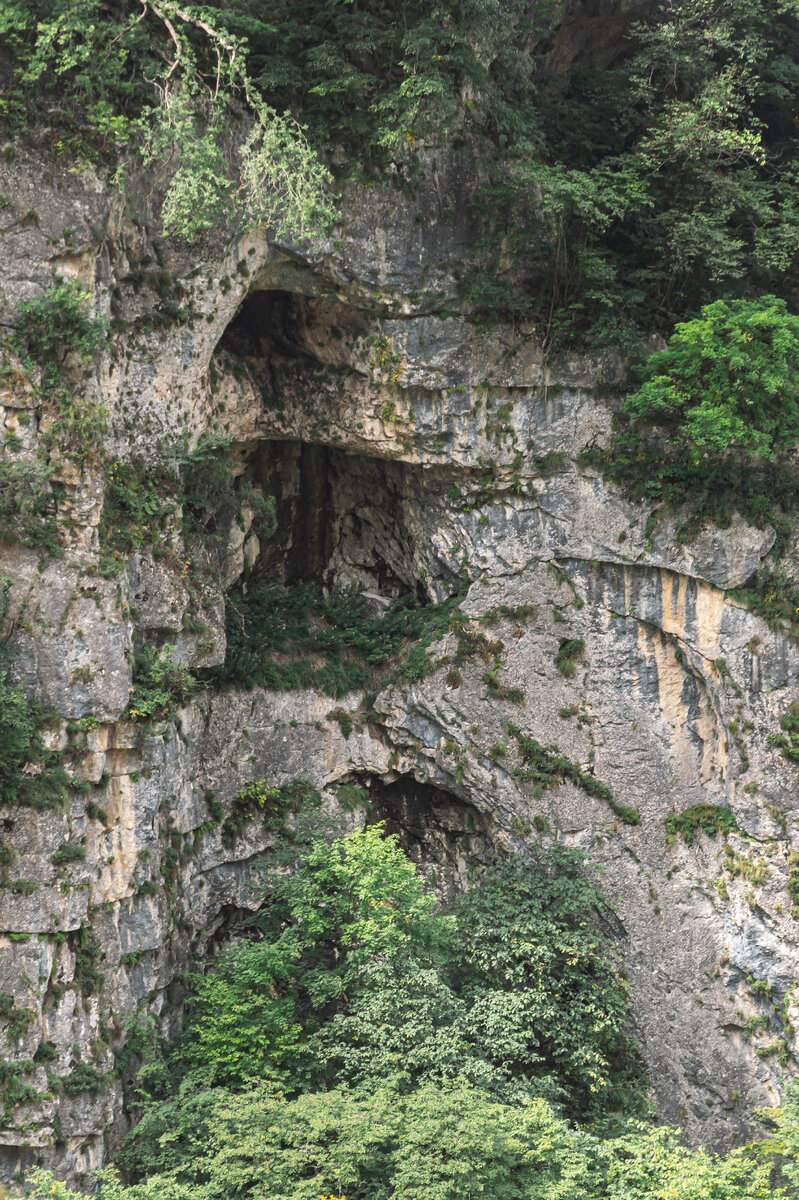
x=271 y=804
x=161 y=685
x=30 y=775
x=88 y=952
x=83 y=1080
x=360 y=1041
x=711 y=427
x=351 y=971
x=568 y=653
x=56 y=338
x=774 y=596
x=16 y=1021
x=284 y=638
x=172 y=81
x=57 y=335
x=14 y=1088
x=70 y=852
x=28 y=498
x=545 y=767
x=788 y=740
x=709 y=818
x=149 y=499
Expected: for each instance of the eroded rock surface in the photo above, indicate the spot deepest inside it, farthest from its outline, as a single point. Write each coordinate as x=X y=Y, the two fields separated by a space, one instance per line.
x=407 y=451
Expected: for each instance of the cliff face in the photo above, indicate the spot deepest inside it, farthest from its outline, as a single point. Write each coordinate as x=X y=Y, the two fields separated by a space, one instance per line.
x=407 y=451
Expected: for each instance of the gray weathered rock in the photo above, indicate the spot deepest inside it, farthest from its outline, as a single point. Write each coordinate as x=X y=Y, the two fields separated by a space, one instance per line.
x=406 y=451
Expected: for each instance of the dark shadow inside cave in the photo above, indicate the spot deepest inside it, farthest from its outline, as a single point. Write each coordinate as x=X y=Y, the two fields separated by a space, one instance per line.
x=450 y=840
x=344 y=520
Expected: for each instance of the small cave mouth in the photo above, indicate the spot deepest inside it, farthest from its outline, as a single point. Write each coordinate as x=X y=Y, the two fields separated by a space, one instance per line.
x=450 y=840
x=275 y=328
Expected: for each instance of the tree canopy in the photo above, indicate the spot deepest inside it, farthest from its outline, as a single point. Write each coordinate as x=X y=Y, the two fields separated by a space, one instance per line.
x=358 y=1042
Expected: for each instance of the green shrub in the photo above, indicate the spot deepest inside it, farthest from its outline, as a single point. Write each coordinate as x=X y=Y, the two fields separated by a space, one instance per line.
x=546 y=767
x=143 y=497
x=82 y=1080
x=53 y=331
x=16 y=1021
x=30 y=774
x=284 y=638
x=728 y=380
x=57 y=324
x=269 y=803
x=566 y=658
x=14 y=1089
x=160 y=684
x=27 y=504
x=788 y=740
x=139 y=506
x=710 y=818
x=209 y=490
x=70 y=852
x=87 y=975
x=774 y=596
x=714 y=418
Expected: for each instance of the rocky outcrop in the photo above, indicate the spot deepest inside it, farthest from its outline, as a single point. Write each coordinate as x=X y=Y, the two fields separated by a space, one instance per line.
x=407 y=451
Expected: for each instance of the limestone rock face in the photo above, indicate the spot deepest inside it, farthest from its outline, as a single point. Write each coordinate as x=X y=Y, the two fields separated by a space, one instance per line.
x=406 y=451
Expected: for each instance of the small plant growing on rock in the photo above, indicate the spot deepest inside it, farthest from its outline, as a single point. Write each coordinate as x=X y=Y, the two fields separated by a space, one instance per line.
x=16 y=1021
x=70 y=852
x=788 y=740
x=56 y=325
x=82 y=1080
x=568 y=653
x=57 y=333
x=161 y=684
x=709 y=818
x=30 y=774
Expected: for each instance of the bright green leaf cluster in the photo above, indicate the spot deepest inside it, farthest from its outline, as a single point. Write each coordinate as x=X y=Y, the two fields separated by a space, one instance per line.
x=728 y=380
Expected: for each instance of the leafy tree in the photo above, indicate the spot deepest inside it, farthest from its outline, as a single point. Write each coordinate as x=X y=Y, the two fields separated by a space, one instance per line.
x=350 y=974
x=440 y=1143
x=614 y=198
x=387 y=1133
x=652 y=186
x=162 y=86
x=544 y=1001
x=711 y=429
x=728 y=380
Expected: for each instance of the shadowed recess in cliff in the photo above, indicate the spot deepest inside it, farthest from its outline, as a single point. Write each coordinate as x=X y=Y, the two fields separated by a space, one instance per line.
x=450 y=840
x=344 y=519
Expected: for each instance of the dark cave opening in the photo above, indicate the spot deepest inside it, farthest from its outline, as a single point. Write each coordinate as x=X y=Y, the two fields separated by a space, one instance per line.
x=450 y=840
x=345 y=519
x=282 y=327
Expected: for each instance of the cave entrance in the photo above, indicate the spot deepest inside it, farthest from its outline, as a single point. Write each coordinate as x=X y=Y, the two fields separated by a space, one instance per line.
x=450 y=840
x=344 y=519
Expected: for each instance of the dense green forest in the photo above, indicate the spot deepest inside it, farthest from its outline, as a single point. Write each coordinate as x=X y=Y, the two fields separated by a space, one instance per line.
x=358 y=1041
